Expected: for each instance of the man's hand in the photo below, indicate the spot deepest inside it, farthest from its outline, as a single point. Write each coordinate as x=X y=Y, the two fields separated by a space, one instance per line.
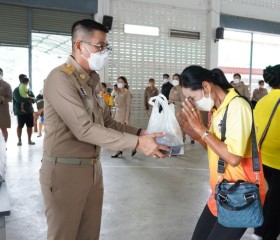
x=150 y=147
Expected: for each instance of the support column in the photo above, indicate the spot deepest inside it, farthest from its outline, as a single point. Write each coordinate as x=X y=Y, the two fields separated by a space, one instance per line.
x=213 y=23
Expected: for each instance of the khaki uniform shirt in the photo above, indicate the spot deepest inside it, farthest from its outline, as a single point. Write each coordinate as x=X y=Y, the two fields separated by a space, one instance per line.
x=148 y=94
x=176 y=97
x=123 y=106
x=77 y=120
x=6 y=96
x=258 y=94
x=242 y=89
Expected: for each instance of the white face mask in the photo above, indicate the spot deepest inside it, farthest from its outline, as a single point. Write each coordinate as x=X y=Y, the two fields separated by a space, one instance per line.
x=236 y=80
x=1 y=76
x=120 y=85
x=98 y=60
x=165 y=80
x=205 y=104
x=175 y=83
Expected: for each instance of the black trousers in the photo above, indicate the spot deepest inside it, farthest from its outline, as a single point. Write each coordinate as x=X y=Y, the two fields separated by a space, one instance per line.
x=208 y=228
x=270 y=229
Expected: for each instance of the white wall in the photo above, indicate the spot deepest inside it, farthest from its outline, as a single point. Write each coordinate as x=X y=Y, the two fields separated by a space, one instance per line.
x=141 y=57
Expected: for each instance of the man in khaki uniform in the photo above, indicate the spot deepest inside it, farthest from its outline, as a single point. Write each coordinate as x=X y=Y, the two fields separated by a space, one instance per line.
x=77 y=124
x=150 y=91
x=240 y=86
x=258 y=93
x=6 y=96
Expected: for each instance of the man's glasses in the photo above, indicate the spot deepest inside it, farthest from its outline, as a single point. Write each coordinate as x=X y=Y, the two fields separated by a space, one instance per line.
x=101 y=47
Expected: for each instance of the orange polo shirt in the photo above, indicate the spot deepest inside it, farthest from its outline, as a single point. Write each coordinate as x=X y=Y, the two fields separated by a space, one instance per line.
x=238 y=141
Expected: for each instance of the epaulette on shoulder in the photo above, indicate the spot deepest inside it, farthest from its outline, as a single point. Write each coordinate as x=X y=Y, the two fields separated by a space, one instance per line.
x=68 y=69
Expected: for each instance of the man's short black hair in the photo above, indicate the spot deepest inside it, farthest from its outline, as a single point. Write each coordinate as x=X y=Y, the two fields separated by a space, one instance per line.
x=165 y=75
x=261 y=82
x=151 y=80
x=237 y=75
x=21 y=77
x=87 y=26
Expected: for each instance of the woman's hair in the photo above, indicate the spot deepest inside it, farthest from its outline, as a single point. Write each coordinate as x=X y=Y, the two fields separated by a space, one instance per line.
x=125 y=81
x=176 y=74
x=271 y=76
x=193 y=76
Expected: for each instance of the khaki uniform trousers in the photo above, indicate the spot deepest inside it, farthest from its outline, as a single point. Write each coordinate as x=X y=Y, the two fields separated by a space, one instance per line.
x=73 y=196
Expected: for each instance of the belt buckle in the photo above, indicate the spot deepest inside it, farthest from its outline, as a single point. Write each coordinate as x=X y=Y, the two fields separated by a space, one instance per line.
x=93 y=161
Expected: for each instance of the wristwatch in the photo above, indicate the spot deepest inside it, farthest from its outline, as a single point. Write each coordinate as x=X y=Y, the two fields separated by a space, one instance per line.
x=205 y=134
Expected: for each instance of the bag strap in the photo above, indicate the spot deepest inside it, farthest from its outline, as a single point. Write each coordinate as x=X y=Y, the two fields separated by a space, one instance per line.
x=255 y=154
x=268 y=124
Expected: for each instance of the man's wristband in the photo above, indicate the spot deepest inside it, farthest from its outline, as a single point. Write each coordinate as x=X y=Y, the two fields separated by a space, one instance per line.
x=204 y=135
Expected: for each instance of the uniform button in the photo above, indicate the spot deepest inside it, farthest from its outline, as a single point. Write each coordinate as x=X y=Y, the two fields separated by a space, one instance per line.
x=82 y=75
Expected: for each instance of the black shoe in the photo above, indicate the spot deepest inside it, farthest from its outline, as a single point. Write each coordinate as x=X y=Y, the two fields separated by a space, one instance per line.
x=133 y=153
x=117 y=154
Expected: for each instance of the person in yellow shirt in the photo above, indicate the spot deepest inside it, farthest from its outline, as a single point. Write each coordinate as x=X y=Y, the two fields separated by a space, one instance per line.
x=209 y=90
x=107 y=96
x=270 y=152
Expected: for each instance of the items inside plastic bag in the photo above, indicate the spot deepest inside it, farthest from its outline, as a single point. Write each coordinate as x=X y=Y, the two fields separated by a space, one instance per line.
x=163 y=119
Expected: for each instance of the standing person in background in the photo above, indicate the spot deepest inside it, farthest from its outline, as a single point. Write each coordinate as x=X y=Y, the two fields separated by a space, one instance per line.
x=176 y=95
x=26 y=116
x=23 y=91
x=240 y=86
x=258 y=93
x=77 y=125
x=6 y=96
x=123 y=106
x=166 y=86
x=270 y=152
x=107 y=96
x=150 y=91
x=40 y=112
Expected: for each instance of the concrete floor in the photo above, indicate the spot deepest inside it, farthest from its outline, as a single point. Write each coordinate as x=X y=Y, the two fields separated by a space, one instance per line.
x=144 y=198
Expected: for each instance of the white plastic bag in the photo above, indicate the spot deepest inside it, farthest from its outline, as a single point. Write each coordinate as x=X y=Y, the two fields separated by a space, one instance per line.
x=163 y=119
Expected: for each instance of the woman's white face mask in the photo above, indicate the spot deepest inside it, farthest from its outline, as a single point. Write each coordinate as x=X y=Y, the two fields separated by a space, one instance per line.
x=98 y=60
x=205 y=104
x=175 y=83
x=120 y=85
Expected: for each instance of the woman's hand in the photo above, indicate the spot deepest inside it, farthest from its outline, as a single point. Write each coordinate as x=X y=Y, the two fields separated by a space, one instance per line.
x=150 y=147
x=186 y=127
x=193 y=116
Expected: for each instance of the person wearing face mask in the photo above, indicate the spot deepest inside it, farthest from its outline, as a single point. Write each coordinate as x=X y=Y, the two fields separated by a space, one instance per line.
x=209 y=90
x=122 y=106
x=166 y=86
x=150 y=91
x=6 y=96
x=77 y=125
x=259 y=93
x=176 y=95
x=239 y=85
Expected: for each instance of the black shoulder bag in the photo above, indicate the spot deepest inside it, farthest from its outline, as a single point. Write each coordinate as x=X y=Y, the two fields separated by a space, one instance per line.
x=239 y=204
x=268 y=124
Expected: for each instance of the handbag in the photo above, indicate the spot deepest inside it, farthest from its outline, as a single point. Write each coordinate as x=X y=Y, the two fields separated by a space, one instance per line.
x=239 y=204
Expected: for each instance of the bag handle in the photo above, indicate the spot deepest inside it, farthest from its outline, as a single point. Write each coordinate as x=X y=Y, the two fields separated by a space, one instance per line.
x=159 y=100
x=268 y=124
x=255 y=154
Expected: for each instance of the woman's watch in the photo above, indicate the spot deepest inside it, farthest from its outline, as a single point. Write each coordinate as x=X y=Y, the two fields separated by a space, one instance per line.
x=205 y=134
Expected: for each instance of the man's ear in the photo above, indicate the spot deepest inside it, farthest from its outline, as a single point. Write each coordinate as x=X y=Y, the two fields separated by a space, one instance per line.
x=77 y=46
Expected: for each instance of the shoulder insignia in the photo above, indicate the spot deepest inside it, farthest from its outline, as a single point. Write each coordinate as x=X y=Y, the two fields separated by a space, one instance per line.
x=68 y=69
